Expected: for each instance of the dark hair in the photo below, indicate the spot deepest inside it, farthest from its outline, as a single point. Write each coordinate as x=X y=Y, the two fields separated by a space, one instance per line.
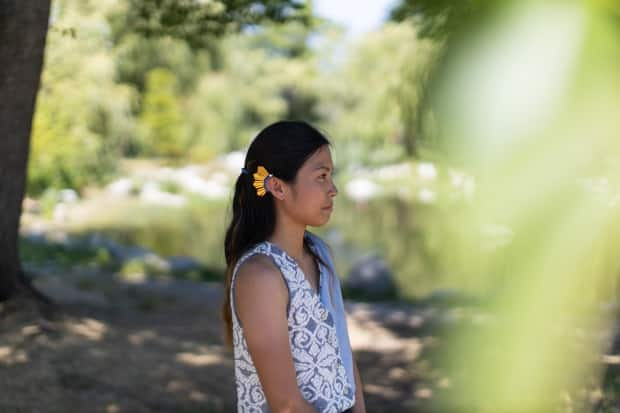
x=282 y=148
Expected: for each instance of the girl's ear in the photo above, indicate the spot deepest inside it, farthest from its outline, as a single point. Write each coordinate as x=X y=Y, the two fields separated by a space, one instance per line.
x=276 y=187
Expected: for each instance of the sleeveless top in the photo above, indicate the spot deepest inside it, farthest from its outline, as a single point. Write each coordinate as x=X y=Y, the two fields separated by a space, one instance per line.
x=317 y=335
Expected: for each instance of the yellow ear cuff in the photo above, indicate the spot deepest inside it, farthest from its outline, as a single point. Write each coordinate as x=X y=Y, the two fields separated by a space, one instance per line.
x=260 y=180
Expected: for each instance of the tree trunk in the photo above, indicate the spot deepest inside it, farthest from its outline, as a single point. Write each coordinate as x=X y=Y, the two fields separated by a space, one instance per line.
x=23 y=29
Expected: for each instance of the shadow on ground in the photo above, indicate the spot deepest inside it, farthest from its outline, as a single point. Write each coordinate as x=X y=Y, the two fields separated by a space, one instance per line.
x=156 y=347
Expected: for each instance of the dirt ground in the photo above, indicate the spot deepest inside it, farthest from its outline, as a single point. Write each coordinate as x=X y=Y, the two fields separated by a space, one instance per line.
x=156 y=347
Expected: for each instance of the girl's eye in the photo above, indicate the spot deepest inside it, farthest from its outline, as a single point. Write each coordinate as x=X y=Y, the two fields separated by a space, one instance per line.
x=325 y=175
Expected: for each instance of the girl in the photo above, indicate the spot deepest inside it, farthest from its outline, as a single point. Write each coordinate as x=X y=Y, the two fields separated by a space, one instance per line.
x=283 y=313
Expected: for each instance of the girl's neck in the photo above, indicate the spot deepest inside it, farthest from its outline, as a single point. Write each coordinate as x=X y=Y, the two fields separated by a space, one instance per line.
x=292 y=242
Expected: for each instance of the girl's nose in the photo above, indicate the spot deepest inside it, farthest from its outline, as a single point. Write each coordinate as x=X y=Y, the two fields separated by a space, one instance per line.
x=334 y=189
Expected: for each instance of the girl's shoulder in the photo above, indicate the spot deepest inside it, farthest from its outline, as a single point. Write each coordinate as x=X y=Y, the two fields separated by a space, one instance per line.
x=253 y=256
x=257 y=267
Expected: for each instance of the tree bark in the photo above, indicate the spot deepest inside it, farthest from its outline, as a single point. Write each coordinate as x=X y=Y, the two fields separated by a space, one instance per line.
x=23 y=30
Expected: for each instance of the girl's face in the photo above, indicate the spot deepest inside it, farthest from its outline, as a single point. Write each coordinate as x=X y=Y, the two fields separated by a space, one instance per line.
x=312 y=196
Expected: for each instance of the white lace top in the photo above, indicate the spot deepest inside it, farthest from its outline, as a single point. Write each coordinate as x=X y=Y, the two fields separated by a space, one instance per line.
x=317 y=334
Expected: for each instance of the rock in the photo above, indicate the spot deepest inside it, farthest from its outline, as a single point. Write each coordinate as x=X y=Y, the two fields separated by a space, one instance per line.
x=36 y=237
x=371 y=278
x=426 y=196
x=151 y=193
x=427 y=171
x=31 y=205
x=131 y=256
x=233 y=161
x=156 y=264
x=68 y=196
x=121 y=187
x=183 y=264
x=139 y=268
x=60 y=213
x=215 y=187
x=117 y=251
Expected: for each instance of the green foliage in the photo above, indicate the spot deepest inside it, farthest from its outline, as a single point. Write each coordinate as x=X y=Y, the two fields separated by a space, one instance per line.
x=437 y=18
x=162 y=96
x=379 y=124
x=268 y=85
x=63 y=153
x=558 y=67
x=114 y=85
x=50 y=253
x=198 y=23
x=83 y=116
x=135 y=56
x=171 y=187
x=136 y=269
x=161 y=120
x=286 y=40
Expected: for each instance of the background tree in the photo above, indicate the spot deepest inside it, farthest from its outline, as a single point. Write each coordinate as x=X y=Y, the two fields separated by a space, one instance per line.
x=436 y=18
x=23 y=28
x=378 y=124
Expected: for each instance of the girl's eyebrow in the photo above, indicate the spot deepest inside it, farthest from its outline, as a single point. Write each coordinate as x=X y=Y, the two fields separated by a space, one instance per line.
x=322 y=167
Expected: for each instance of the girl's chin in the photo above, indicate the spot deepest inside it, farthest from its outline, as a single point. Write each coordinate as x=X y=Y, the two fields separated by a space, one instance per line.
x=320 y=221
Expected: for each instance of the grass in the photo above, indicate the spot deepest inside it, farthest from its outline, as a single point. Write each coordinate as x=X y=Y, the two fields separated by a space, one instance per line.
x=56 y=255
x=42 y=252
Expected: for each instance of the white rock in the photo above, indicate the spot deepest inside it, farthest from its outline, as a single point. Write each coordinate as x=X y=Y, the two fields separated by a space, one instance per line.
x=427 y=171
x=207 y=188
x=427 y=196
x=68 y=196
x=233 y=161
x=61 y=212
x=121 y=187
x=457 y=179
x=396 y=171
x=152 y=194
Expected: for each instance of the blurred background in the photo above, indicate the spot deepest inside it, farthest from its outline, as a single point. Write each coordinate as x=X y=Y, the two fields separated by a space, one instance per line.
x=475 y=232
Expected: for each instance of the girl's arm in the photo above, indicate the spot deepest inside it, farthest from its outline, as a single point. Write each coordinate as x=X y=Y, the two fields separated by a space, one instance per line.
x=261 y=297
x=360 y=405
